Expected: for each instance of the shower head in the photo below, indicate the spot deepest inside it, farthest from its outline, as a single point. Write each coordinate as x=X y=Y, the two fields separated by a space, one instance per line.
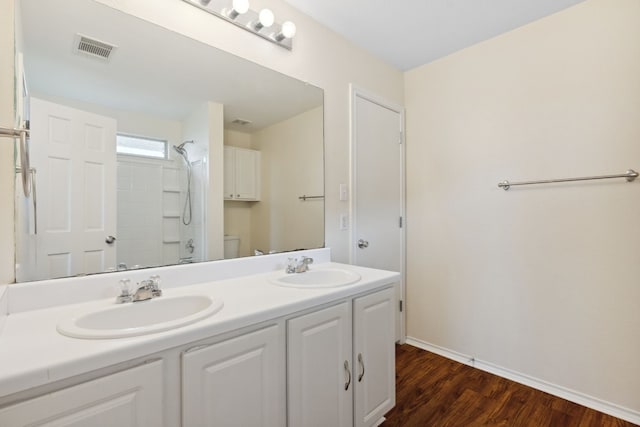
x=180 y=148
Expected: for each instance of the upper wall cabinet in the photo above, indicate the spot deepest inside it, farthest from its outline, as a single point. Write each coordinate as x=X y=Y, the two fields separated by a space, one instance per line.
x=241 y=174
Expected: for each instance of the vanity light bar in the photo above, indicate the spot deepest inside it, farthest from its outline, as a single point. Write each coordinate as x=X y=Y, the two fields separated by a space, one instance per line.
x=261 y=23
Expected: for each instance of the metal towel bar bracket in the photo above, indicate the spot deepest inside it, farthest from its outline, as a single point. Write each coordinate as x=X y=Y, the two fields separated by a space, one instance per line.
x=25 y=165
x=629 y=175
x=305 y=197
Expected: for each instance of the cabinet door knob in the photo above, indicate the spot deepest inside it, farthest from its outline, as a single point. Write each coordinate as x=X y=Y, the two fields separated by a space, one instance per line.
x=348 y=372
x=361 y=362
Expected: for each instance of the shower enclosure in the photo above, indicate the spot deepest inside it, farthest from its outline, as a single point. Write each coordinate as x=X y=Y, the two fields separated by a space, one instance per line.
x=191 y=230
x=159 y=209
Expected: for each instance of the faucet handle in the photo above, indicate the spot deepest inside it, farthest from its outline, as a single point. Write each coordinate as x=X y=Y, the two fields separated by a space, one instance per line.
x=125 y=286
x=292 y=264
x=155 y=285
x=125 y=292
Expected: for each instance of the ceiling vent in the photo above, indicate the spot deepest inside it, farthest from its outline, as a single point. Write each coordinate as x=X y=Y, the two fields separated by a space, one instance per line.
x=241 y=122
x=94 y=48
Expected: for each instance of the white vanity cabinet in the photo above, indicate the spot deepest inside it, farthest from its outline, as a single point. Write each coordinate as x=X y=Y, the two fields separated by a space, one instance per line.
x=241 y=174
x=133 y=397
x=341 y=363
x=319 y=368
x=236 y=382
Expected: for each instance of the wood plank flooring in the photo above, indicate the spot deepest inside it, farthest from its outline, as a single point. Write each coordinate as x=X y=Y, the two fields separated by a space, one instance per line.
x=433 y=391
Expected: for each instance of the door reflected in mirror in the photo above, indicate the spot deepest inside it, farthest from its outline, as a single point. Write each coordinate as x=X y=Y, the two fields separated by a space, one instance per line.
x=167 y=151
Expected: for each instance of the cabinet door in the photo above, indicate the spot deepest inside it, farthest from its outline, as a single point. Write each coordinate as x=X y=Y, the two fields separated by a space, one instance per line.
x=247 y=163
x=229 y=173
x=320 y=375
x=128 y=398
x=237 y=382
x=374 y=356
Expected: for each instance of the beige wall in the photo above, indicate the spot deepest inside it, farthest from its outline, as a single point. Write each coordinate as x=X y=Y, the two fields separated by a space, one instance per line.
x=7 y=246
x=290 y=168
x=543 y=281
x=280 y=221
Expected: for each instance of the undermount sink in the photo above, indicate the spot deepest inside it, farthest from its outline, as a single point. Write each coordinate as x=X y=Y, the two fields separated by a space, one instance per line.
x=140 y=318
x=320 y=278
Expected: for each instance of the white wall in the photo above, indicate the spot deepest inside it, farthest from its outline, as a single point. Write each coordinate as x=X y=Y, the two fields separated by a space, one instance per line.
x=319 y=56
x=140 y=210
x=544 y=280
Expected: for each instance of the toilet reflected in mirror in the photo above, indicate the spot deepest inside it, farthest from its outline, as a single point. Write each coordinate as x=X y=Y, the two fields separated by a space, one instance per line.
x=231 y=246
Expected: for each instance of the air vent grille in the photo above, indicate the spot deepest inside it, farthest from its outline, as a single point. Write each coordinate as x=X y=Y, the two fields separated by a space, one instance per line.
x=93 y=47
x=241 y=122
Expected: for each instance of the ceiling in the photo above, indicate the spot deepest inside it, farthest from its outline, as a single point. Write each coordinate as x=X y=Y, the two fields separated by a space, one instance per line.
x=410 y=33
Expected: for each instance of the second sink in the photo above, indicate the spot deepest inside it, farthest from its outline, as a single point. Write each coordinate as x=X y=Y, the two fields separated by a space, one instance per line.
x=317 y=278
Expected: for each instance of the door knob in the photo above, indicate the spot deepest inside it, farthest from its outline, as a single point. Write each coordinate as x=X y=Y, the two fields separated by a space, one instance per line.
x=109 y=240
x=363 y=244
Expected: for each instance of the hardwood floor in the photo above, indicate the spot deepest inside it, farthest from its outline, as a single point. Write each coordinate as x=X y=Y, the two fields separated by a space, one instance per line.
x=433 y=391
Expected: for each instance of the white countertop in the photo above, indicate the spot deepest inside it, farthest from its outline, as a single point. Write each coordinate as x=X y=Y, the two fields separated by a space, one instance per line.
x=33 y=353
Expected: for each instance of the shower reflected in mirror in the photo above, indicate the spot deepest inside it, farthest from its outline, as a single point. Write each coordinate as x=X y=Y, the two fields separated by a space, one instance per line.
x=187 y=210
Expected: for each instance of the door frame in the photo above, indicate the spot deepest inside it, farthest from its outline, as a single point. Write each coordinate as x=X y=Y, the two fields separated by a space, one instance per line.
x=356 y=92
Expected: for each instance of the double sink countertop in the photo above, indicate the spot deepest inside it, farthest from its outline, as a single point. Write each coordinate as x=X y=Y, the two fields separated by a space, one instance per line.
x=34 y=353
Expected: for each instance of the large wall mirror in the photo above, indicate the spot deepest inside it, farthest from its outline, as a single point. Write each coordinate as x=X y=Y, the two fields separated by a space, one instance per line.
x=131 y=125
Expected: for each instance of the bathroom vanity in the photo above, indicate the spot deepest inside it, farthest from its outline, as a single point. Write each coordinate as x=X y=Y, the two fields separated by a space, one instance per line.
x=272 y=355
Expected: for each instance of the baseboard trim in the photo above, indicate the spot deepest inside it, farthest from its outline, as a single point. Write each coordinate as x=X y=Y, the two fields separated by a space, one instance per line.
x=556 y=390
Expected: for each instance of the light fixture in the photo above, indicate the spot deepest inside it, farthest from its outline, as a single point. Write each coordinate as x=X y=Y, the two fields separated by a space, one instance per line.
x=240 y=14
x=265 y=20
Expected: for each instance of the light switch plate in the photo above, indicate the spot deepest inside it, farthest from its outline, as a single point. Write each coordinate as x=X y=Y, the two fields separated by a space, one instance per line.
x=344 y=192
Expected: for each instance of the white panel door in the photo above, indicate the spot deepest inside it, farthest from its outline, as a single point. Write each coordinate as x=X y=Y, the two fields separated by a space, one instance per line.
x=378 y=188
x=319 y=371
x=74 y=153
x=236 y=383
x=374 y=356
x=126 y=399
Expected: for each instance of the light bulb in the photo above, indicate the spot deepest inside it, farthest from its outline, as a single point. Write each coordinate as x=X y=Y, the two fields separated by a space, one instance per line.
x=266 y=18
x=241 y=6
x=288 y=29
x=238 y=8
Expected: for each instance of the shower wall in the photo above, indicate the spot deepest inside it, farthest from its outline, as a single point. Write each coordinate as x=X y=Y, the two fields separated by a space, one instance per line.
x=151 y=200
x=139 y=219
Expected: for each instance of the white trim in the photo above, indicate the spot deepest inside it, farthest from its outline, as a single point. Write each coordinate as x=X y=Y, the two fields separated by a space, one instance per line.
x=565 y=393
x=354 y=93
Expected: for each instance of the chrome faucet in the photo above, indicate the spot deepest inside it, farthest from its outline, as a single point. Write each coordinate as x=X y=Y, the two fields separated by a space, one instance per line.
x=146 y=290
x=295 y=266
